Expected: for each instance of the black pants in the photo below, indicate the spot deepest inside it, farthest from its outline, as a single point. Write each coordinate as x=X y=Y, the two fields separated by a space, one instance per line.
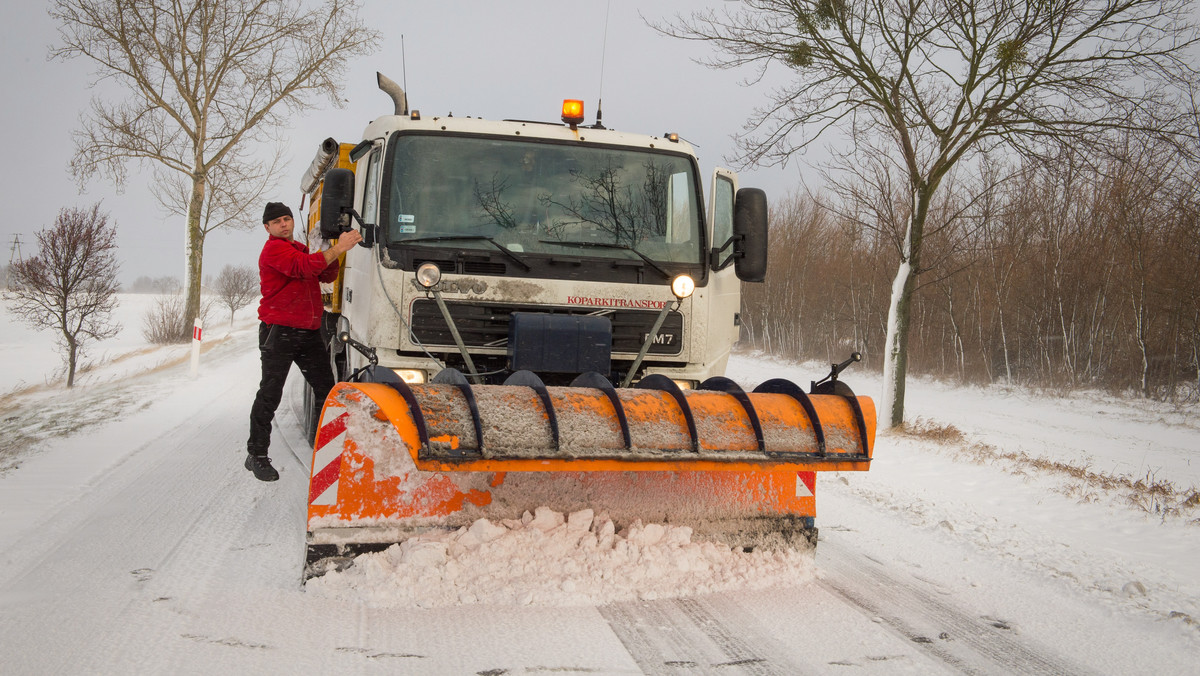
x=280 y=347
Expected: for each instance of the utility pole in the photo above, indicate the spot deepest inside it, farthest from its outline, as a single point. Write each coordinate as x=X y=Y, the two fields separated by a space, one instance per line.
x=14 y=256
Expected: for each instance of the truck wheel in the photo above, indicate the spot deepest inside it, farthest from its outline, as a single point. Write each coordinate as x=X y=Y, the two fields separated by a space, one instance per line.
x=311 y=412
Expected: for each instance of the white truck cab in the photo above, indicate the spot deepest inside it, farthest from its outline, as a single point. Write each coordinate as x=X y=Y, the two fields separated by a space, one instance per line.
x=501 y=246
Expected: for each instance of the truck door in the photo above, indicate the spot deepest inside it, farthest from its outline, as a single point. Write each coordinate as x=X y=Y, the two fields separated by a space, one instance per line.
x=725 y=287
x=359 y=273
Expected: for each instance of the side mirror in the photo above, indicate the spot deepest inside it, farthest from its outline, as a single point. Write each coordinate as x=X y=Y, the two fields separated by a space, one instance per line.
x=750 y=235
x=337 y=201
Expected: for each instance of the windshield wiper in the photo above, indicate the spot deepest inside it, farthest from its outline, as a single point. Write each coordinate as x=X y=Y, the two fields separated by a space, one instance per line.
x=468 y=238
x=606 y=245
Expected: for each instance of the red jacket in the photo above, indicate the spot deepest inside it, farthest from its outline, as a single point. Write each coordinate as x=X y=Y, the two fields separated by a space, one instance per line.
x=288 y=277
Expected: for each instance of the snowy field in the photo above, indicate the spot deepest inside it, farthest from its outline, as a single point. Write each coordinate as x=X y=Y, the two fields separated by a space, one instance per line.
x=1013 y=533
x=31 y=358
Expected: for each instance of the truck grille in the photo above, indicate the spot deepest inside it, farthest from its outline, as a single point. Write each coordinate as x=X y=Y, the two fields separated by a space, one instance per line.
x=486 y=325
x=464 y=267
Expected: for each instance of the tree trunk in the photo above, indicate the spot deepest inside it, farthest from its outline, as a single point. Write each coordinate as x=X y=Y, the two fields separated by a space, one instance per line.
x=895 y=353
x=72 y=358
x=1139 y=327
x=194 y=252
x=1196 y=360
x=1004 y=346
x=895 y=346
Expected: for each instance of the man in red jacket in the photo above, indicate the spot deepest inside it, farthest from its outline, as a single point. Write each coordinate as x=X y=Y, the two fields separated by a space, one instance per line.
x=289 y=331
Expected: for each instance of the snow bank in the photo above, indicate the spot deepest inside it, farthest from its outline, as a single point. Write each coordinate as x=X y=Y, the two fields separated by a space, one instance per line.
x=550 y=559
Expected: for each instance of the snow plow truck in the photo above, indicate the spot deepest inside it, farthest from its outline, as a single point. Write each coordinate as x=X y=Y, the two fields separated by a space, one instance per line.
x=540 y=314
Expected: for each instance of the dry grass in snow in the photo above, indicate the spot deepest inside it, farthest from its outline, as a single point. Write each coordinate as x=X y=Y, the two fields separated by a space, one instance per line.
x=1147 y=493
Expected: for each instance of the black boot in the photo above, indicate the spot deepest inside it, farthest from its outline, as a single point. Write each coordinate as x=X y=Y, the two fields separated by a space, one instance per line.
x=261 y=466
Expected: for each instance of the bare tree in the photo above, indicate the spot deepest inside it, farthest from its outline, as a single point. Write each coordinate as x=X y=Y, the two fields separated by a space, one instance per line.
x=236 y=286
x=163 y=323
x=206 y=79
x=71 y=285
x=940 y=81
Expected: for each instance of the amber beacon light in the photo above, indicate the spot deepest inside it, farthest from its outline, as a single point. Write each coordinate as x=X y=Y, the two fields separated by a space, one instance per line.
x=572 y=111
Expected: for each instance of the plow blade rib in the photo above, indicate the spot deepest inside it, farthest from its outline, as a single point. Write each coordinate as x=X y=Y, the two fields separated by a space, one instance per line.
x=390 y=460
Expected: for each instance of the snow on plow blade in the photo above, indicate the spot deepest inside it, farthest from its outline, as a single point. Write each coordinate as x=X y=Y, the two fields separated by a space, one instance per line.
x=390 y=460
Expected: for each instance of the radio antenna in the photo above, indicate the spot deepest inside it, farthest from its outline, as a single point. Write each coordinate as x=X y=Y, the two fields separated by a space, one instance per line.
x=403 y=65
x=603 y=56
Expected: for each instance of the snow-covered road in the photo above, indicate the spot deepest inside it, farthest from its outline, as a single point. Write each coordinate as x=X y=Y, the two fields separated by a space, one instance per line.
x=139 y=544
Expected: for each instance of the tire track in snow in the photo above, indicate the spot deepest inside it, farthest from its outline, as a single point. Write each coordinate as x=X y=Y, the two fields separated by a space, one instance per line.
x=685 y=635
x=734 y=644
x=969 y=644
x=652 y=643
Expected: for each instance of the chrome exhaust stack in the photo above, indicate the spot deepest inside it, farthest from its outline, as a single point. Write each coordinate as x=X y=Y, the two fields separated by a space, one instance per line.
x=389 y=87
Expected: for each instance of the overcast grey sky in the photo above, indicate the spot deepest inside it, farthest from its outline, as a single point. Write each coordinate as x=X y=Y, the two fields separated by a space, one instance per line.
x=515 y=59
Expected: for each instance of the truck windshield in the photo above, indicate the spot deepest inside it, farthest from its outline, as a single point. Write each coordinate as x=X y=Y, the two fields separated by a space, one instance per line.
x=543 y=198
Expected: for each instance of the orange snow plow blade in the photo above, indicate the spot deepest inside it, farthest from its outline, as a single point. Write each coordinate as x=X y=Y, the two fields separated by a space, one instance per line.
x=393 y=459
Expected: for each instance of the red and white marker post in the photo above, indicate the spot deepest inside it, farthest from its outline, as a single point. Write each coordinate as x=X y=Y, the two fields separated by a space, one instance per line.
x=197 y=329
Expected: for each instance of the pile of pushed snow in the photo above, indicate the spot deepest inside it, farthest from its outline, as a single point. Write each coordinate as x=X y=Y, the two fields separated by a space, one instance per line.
x=547 y=559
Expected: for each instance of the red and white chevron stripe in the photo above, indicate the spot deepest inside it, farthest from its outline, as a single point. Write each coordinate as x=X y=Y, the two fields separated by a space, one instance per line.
x=327 y=461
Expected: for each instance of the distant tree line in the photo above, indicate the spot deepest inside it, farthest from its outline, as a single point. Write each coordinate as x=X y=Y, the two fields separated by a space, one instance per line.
x=147 y=284
x=1078 y=272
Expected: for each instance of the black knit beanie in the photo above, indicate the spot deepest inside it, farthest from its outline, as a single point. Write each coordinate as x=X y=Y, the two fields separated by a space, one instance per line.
x=275 y=210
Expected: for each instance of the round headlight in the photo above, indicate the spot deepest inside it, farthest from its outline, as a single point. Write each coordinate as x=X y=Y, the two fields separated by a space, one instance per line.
x=682 y=286
x=428 y=275
x=411 y=376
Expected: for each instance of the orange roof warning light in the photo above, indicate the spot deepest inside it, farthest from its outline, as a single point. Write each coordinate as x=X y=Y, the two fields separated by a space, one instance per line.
x=572 y=111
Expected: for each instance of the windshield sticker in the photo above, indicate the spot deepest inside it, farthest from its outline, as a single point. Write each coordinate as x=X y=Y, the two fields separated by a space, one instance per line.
x=405 y=218
x=407 y=229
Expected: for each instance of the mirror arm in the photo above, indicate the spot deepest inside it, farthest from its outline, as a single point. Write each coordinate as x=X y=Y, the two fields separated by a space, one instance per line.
x=369 y=231
x=714 y=258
